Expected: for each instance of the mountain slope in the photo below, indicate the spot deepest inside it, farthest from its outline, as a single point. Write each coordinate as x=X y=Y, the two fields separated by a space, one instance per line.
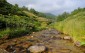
x=50 y=16
x=16 y=21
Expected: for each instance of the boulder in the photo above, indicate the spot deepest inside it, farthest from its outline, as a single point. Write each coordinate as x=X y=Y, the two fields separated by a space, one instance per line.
x=67 y=38
x=37 y=48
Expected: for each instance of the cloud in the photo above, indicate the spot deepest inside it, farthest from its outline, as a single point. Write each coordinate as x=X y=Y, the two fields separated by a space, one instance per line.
x=50 y=6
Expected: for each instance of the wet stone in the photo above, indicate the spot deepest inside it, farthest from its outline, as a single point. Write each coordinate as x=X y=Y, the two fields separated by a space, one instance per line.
x=37 y=48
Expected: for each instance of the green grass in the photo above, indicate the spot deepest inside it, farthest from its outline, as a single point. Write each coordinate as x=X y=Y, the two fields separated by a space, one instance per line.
x=4 y=32
x=14 y=32
x=73 y=26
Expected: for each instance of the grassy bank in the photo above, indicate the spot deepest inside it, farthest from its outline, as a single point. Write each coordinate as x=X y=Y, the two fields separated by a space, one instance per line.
x=74 y=26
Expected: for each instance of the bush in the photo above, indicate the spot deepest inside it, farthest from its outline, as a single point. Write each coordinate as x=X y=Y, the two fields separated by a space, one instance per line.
x=15 y=21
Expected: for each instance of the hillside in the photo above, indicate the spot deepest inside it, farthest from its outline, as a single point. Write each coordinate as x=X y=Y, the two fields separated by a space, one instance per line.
x=15 y=20
x=74 y=25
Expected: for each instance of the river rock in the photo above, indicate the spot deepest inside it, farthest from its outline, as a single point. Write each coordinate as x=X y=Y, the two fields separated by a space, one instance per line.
x=67 y=38
x=37 y=48
x=77 y=44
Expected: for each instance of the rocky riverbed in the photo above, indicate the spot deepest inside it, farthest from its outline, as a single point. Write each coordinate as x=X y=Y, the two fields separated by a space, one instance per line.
x=46 y=41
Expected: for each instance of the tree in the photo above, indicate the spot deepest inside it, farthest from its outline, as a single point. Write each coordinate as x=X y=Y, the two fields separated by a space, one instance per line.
x=5 y=7
x=24 y=8
x=77 y=11
x=62 y=16
x=14 y=9
x=33 y=11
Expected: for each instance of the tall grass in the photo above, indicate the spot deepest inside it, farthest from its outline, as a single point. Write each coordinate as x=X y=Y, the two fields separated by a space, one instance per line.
x=74 y=26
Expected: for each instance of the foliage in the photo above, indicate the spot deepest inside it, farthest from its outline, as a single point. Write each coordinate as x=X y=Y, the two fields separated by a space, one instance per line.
x=24 y=8
x=16 y=21
x=62 y=16
x=33 y=11
x=5 y=7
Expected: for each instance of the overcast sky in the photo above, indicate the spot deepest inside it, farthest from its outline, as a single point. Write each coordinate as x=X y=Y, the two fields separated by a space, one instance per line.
x=50 y=6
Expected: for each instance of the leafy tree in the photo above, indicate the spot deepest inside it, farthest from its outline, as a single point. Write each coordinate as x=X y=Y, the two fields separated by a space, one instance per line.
x=62 y=16
x=14 y=9
x=5 y=7
x=77 y=11
x=33 y=11
x=24 y=8
x=2 y=3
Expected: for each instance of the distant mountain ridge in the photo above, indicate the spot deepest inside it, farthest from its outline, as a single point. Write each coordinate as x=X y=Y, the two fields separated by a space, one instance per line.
x=50 y=16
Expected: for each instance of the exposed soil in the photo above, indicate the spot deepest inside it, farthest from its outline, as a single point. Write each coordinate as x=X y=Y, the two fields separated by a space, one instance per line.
x=51 y=38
